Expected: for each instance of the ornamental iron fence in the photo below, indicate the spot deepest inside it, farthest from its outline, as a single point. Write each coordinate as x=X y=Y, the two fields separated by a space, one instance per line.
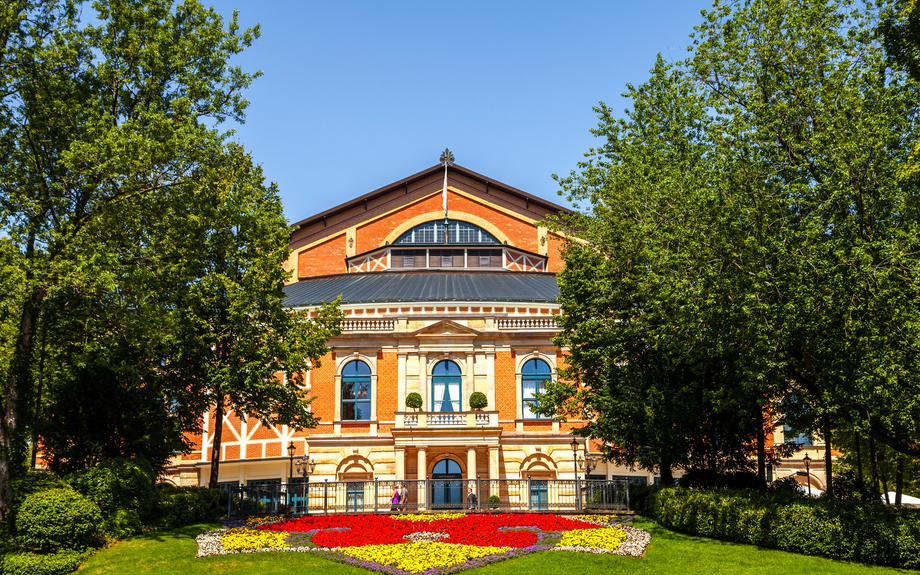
x=428 y=495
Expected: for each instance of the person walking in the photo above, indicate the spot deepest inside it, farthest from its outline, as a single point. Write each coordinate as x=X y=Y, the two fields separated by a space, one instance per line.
x=394 y=501
x=471 y=500
x=403 y=497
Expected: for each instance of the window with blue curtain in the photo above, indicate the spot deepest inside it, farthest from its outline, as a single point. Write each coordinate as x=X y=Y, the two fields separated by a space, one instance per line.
x=446 y=387
x=802 y=439
x=534 y=376
x=356 y=391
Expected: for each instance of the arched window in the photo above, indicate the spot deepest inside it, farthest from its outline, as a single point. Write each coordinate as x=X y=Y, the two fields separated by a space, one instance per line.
x=445 y=387
x=534 y=376
x=356 y=391
x=459 y=233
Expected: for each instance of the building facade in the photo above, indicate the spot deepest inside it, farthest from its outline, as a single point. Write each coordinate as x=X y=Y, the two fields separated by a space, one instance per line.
x=436 y=304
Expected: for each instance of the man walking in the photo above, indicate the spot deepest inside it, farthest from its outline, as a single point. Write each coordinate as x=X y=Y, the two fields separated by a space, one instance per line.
x=471 y=500
x=403 y=496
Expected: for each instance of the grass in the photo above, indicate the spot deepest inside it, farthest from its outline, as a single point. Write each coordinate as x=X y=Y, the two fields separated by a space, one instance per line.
x=669 y=553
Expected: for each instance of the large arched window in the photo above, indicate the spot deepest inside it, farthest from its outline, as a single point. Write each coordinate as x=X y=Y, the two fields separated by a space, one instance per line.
x=445 y=387
x=459 y=233
x=534 y=376
x=356 y=391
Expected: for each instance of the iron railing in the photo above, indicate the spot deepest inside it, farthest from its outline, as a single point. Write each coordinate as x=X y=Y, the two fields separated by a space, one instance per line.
x=423 y=495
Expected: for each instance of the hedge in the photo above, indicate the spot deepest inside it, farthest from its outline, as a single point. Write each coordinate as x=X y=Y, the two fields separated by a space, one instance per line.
x=179 y=506
x=123 y=490
x=841 y=530
x=34 y=564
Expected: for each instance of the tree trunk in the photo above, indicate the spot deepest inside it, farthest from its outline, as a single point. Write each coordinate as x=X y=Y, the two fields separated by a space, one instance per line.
x=11 y=444
x=859 y=463
x=667 y=475
x=899 y=482
x=885 y=487
x=762 y=454
x=828 y=471
x=215 y=441
x=873 y=462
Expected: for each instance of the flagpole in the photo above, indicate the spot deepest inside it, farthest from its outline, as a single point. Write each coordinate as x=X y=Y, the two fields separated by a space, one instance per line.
x=447 y=159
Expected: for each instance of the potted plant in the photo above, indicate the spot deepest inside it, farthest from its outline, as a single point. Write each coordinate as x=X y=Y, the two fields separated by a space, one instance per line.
x=478 y=400
x=494 y=501
x=414 y=400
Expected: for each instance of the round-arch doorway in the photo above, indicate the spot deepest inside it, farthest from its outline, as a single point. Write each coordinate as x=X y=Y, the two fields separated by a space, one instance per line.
x=447 y=485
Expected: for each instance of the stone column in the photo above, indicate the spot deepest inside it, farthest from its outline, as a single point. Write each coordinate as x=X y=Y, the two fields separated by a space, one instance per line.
x=422 y=471
x=422 y=462
x=493 y=463
x=470 y=463
x=400 y=463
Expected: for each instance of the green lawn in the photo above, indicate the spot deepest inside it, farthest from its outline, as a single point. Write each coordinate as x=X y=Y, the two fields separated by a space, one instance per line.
x=669 y=553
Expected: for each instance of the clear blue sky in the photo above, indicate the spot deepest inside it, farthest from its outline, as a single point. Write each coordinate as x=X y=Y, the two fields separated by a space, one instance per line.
x=357 y=95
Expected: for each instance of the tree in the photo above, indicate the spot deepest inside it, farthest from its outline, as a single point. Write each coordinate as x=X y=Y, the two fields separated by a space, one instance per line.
x=652 y=381
x=231 y=335
x=752 y=207
x=95 y=117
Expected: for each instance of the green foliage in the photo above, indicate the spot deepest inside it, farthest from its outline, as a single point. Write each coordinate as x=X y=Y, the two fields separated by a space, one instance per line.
x=414 y=400
x=59 y=518
x=180 y=506
x=102 y=412
x=494 y=501
x=478 y=400
x=123 y=490
x=745 y=240
x=840 y=530
x=40 y=564
x=124 y=109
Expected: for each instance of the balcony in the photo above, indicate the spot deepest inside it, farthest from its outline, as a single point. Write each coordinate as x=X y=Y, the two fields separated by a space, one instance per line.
x=441 y=420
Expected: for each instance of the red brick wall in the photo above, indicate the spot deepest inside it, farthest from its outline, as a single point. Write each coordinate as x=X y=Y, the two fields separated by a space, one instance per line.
x=519 y=232
x=387 y=387
x=322 y=381
x=323 y=259
x=505 y=384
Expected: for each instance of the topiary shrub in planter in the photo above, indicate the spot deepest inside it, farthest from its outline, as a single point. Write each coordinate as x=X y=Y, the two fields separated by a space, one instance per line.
x=414 y=400
x=494 y=501
x=58 y=519
x=478 y=400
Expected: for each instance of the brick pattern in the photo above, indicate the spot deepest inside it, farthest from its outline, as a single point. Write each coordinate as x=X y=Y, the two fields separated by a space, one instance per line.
x=505 y=387
x=387 y=387
x=323 y=259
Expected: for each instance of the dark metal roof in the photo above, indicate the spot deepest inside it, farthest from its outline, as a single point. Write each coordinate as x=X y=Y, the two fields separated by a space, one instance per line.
x=424 y=286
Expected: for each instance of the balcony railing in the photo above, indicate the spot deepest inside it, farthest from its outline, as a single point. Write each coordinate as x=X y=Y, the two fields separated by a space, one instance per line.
x=374 y=496
x=534 y=323
x=437 y=419
x=368 y=325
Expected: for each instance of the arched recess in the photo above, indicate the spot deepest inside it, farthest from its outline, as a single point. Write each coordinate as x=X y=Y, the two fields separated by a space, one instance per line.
x=538 y=466
x=456 y=216
x=815 y=481
x=355 y=468
x=441 y=458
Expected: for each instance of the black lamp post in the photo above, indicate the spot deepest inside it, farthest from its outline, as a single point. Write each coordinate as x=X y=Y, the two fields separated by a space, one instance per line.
x=305 y=468
x=291 y=449
x=575 y=456
x=807 y=461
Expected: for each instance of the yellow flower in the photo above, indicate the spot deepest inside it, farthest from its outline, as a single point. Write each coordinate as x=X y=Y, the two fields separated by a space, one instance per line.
x=239 y=539
x=609 y=539
x=417 y=557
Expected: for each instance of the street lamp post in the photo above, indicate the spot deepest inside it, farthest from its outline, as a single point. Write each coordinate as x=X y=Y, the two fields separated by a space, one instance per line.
x=305 y=468
x=807 y=461
x=575 y=456
x=290 y=449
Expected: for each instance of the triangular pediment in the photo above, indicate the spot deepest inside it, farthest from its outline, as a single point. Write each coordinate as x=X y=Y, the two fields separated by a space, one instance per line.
x=446 y=328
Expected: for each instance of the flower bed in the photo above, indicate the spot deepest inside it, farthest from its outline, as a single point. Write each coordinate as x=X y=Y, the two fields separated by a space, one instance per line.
x=435 y=544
